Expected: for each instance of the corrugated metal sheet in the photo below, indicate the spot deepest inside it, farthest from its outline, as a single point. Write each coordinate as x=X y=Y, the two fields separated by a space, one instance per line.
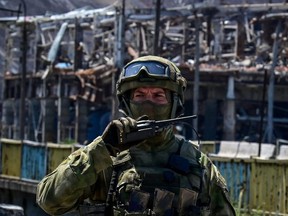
x=237 y=175
x=270 y=186
x=56 y=154
x=11 y=157
x=33 y=160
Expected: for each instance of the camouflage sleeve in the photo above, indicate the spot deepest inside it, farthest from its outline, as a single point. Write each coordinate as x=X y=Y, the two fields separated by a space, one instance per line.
x=63 y=189
x=220 y=203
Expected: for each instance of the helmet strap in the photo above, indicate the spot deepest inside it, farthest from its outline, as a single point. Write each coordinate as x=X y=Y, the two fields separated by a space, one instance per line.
x=174 y=105
x=127 y=108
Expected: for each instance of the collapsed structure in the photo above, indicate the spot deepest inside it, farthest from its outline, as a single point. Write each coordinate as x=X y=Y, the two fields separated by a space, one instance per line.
x=60 y=71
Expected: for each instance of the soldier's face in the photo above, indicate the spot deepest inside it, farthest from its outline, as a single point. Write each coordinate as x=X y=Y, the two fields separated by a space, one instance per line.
x=150 y=101
x=153 y=94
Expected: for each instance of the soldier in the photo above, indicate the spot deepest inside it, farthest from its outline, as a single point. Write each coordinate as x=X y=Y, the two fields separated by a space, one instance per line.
x=159 y=175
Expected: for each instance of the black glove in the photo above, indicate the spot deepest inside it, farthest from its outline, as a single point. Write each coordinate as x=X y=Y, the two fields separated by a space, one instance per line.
x=116 y=129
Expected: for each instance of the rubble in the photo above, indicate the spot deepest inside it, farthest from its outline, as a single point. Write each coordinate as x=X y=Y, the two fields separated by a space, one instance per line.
x=82 y=49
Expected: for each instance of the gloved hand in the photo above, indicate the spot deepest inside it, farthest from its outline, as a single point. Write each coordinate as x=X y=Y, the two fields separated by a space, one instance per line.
x=116 y=129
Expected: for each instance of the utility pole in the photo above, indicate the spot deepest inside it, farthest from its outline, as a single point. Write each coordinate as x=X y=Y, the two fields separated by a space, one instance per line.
x=119 y=53
x=196 y=75
x=262 y=112
x=157 y=27
x=270 y=125
x=23 y=74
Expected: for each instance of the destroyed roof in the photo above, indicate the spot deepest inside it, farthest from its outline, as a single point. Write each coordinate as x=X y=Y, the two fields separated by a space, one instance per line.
x=178 y=33
x=50 y=7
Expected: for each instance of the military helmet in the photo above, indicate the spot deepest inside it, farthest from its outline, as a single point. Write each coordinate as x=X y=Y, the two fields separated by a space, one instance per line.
x=151 y=71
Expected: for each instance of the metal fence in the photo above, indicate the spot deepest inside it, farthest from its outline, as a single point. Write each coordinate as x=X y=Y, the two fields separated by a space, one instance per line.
x=258 y=186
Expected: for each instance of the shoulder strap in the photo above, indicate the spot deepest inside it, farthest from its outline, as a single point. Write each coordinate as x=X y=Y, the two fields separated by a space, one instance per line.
x=121 y=162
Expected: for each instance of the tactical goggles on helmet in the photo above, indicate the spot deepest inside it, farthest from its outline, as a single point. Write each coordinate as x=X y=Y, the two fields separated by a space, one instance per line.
x=153 y=68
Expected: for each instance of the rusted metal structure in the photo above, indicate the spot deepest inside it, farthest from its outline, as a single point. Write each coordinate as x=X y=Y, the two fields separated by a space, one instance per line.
x=73 y=60
x=234 y=57
x=66 y=56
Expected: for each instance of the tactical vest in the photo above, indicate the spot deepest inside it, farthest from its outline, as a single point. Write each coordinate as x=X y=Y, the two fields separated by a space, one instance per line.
x=174 y=189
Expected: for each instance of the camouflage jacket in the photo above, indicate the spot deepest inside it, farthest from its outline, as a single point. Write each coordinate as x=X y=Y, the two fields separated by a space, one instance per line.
x=176 y=176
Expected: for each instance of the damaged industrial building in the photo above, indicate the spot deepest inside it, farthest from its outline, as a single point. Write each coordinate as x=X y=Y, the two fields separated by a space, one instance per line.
x=72 y=61
x=59 y=73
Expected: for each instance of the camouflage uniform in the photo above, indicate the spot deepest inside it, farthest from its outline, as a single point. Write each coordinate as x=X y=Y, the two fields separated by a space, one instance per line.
x=161 y=175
